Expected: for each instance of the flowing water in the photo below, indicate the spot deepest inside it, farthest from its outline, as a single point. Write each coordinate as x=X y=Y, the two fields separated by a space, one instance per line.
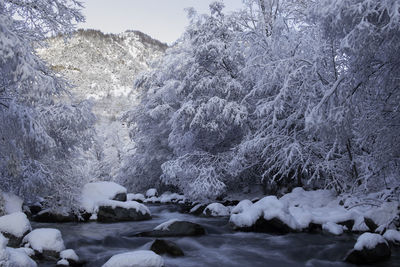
x=96 y=243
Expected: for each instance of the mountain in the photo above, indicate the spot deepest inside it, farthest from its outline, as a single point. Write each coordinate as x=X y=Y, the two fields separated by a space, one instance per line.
x=102 y=67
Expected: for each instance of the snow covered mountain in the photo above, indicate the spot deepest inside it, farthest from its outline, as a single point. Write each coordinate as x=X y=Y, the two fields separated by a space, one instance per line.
x=102 y=66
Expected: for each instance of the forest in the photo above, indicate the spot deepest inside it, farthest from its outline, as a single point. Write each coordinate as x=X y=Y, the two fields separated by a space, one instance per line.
x=276 y=96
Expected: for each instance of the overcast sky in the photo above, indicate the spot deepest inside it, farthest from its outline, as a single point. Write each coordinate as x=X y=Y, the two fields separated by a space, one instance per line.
x=164 y=20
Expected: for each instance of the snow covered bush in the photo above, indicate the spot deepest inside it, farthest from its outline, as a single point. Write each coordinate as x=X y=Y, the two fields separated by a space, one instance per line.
x=44 y=133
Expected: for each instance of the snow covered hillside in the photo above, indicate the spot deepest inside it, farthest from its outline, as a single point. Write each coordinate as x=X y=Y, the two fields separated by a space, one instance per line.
x=102 y=67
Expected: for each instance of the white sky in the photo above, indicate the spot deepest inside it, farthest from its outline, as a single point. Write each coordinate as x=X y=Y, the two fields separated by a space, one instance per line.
x=164 y=20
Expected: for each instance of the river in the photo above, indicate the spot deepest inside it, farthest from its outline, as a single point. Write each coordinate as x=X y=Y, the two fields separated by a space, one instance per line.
x=97 y=242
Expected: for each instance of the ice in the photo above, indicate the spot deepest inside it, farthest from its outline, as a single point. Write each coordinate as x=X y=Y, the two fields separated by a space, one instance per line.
x=217 y=209
x=392 y=236
x=16 y=224
x=69 y=254
x=165 y=226
x=140 y=258
x=93 y=193
x=152 y=192
x=333 y=228
x=45 y=239
x=368 y=241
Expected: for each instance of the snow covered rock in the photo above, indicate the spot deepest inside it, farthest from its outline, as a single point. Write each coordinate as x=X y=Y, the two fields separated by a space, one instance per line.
x=48 y=216
x=62 y=262
x=93 y=193
x=266 y=215
x=46 y=242
x=69 y=256
x=141 y=258
x=175 y=228
x=333 y=228
x=17 y=258
x=155 y=200
x=161 y=246
x=152 y=192
x=392 y=236
x=198 y=209
x=136 y=197
x=169 y=197
x=116 y=211
x=14 y=227
x=10 y=203
x=370 y=248
x=216 y=209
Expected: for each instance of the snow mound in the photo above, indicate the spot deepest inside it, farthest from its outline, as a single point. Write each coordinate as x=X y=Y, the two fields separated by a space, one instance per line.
x=93 y=193
x=165 y=226
x=152 y=192
x=16 y=224
x=242 y=206
x=135 y=197
x=216 y=209
x=141 y=258
x=368 y=241
x=12 y=203
x=18 y=258
x=45 y=239
x=392 y=236
x=333 y=228
x=69 y=254
x=126 y=205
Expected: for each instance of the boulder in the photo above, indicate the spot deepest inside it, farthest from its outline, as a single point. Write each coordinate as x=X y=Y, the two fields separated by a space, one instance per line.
x=152 y=192
x=370 y=224
x=120 y=197
x=47 y=243
x=274 y=225
x=198 y=209
x=130 y=211
x=48 y=216
x=161 y=246
x=175 y=228
x=349 y=224
x=216 y=210
x=141 y=258
x=370 y=248
x=14 y=227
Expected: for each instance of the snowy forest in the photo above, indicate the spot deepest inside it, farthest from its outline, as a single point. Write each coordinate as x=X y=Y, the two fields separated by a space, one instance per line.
x=278 y=118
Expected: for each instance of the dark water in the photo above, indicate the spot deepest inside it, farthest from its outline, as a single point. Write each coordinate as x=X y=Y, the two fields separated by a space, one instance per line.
x=96 y=243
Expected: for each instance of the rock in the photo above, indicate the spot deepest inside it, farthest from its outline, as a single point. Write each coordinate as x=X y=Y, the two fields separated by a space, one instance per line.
x=161 y=246
x=314 y=228
x=48 y=216
x=14 y=227
x=46 y=242
x=216 y=210
x=370 y=248
x=120 y=197
x=230 y=202
x=14 y=241
x=349 y=224
x=368 y=256
x=393 y=237
x=175 y=228
x=35 y=208
x=274 y=225
x=119 y=214
x=370 y=224
x=198 y=209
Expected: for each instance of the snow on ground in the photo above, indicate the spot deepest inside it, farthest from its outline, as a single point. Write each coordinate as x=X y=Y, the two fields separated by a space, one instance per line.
x=368 y=241
x=152 y=192
x=300 y=208
x=93 y=193
x=392 y=236
x=12 y=203
x=333 y=228
x=69 y=254
x=45 y=239
x=16 y=224
x=126 y=205
x=140 y=258
x=217 y=209
x=165 y=226
x=135 y=197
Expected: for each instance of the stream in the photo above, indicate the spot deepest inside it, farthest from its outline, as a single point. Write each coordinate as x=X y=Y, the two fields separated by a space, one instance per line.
x=97 y=242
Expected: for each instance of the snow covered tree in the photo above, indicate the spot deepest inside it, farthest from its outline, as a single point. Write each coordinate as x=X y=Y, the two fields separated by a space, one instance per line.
x=43 y=132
